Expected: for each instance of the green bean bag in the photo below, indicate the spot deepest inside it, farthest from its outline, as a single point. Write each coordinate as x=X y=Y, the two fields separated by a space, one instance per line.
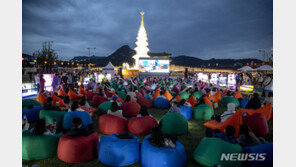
x=174 y=124
x=184 y=95
x=198 y=94
x=209 y=151
x=203 y=112
x=104 y=107
x=114 y=85
x=229 y=99
x=39 y=147
x=121 y=94
x=50 y=115
x=27 y=102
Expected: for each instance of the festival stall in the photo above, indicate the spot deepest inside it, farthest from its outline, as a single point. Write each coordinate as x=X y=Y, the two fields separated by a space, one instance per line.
x=109 y=71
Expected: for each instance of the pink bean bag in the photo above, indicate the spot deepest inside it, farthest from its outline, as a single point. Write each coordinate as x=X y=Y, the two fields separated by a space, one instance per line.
x=145 y=102
x=97 y=100
x=109 y=124
x=257 y=123
x=78 y=149
x=130 y=109
x=141 y=125
x=89 y=95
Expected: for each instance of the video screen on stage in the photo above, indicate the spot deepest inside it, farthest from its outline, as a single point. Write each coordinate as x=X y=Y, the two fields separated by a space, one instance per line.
x=154 y=65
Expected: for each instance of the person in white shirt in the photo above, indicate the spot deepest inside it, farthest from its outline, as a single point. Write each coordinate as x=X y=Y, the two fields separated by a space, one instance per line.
x=230 y=111
x=114 y=110
x=132 y=94
x=75 y=107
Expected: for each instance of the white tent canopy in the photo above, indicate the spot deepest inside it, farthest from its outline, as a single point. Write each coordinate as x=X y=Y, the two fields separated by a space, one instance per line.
x=264 y=68
x=245 y=68
x=109 y=66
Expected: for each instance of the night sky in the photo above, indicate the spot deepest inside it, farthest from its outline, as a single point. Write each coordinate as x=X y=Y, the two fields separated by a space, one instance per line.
x=200 y=28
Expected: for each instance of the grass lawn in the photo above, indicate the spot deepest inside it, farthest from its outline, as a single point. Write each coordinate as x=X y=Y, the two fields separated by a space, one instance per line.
x=190 y=142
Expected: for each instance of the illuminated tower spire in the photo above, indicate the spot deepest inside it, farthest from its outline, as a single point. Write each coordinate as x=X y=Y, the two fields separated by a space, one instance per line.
x=142 y=44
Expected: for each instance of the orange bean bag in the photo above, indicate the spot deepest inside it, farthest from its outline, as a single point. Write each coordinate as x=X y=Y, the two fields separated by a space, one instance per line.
x=207 y=101
x=156 y=94
x=178 y=98
x=235 y=120
x=130 y=109
x=145 y=102
x=82 y=91
x=168 y=95
x=266 y=110
x=62 y=93
x=237 y=94
x=216 y=97
x=109 y=124
x=225 y=92
x=141 y=125
x=55 y=99
x=78 y=149
x=62 y=104
x=41 y=98
x=91 y=110
x=73 y=95
x=192 y=101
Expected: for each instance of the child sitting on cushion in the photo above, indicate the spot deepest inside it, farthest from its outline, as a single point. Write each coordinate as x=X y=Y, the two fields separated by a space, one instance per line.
x=158 y=139
x=77 y=131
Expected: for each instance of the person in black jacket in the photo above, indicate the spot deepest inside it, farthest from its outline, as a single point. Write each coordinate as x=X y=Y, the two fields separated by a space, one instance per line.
x=48 y=105
x=77 y=131
x=255 y=102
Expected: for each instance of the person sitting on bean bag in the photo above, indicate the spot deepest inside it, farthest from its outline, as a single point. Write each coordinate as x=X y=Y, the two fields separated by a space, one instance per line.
x=132 y=94
x=230 y=111
x=175 y=107
x=40 y=128
x=158 y=139
x=75 y=107
x=84 y=104
x=248 y=138
x=228 y=136
x=254 y=102
x=66 y=100
x=148 y=95
x=48 y=105
x=268 y=99
x=143 y=112
x=77 y=131
x=127 y=98
x=161 y=94
x=114 y=110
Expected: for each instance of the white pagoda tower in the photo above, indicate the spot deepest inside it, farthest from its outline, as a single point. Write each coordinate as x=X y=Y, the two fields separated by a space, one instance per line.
x=142 y=44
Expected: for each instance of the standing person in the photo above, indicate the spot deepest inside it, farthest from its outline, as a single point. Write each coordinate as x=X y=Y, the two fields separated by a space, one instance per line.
x=254 y=102
x=54 y=83
x=42 y=82
x=37 y=82
x=64 y=81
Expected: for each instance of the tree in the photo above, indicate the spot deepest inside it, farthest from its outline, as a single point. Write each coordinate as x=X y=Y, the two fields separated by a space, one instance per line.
x=47 y=57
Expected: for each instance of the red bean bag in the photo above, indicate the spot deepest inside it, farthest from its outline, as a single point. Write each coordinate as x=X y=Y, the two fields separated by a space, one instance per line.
x=78 y=149
x=108 y=94
x=97 y=100
x=141 y=125
x=207 y=101
x=89 y=95
x=82 y=91
x=266 y=110
x=237 y=94
x=142 y=91
x=109 y=124
x=73 y=95
x=257 y=123
x=216 y=97
x=41 y=98
x=138 y=94
x=130 y=109
x=225 y=92
x=145 y=102
x=192 y=101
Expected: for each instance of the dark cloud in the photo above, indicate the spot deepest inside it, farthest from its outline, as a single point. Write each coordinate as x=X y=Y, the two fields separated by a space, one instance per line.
x=204 y=29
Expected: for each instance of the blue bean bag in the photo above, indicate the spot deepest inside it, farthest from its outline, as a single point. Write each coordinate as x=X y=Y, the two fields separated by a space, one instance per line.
x=161 y=103
x=119 y=152
x=85 y=117
x=161 y=156
x=266 y=149
x=186 y=111
x=32 y=114
x=244 y=103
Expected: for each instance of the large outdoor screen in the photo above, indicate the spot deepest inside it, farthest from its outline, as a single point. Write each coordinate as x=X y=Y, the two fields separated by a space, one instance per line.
x=154 y=65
